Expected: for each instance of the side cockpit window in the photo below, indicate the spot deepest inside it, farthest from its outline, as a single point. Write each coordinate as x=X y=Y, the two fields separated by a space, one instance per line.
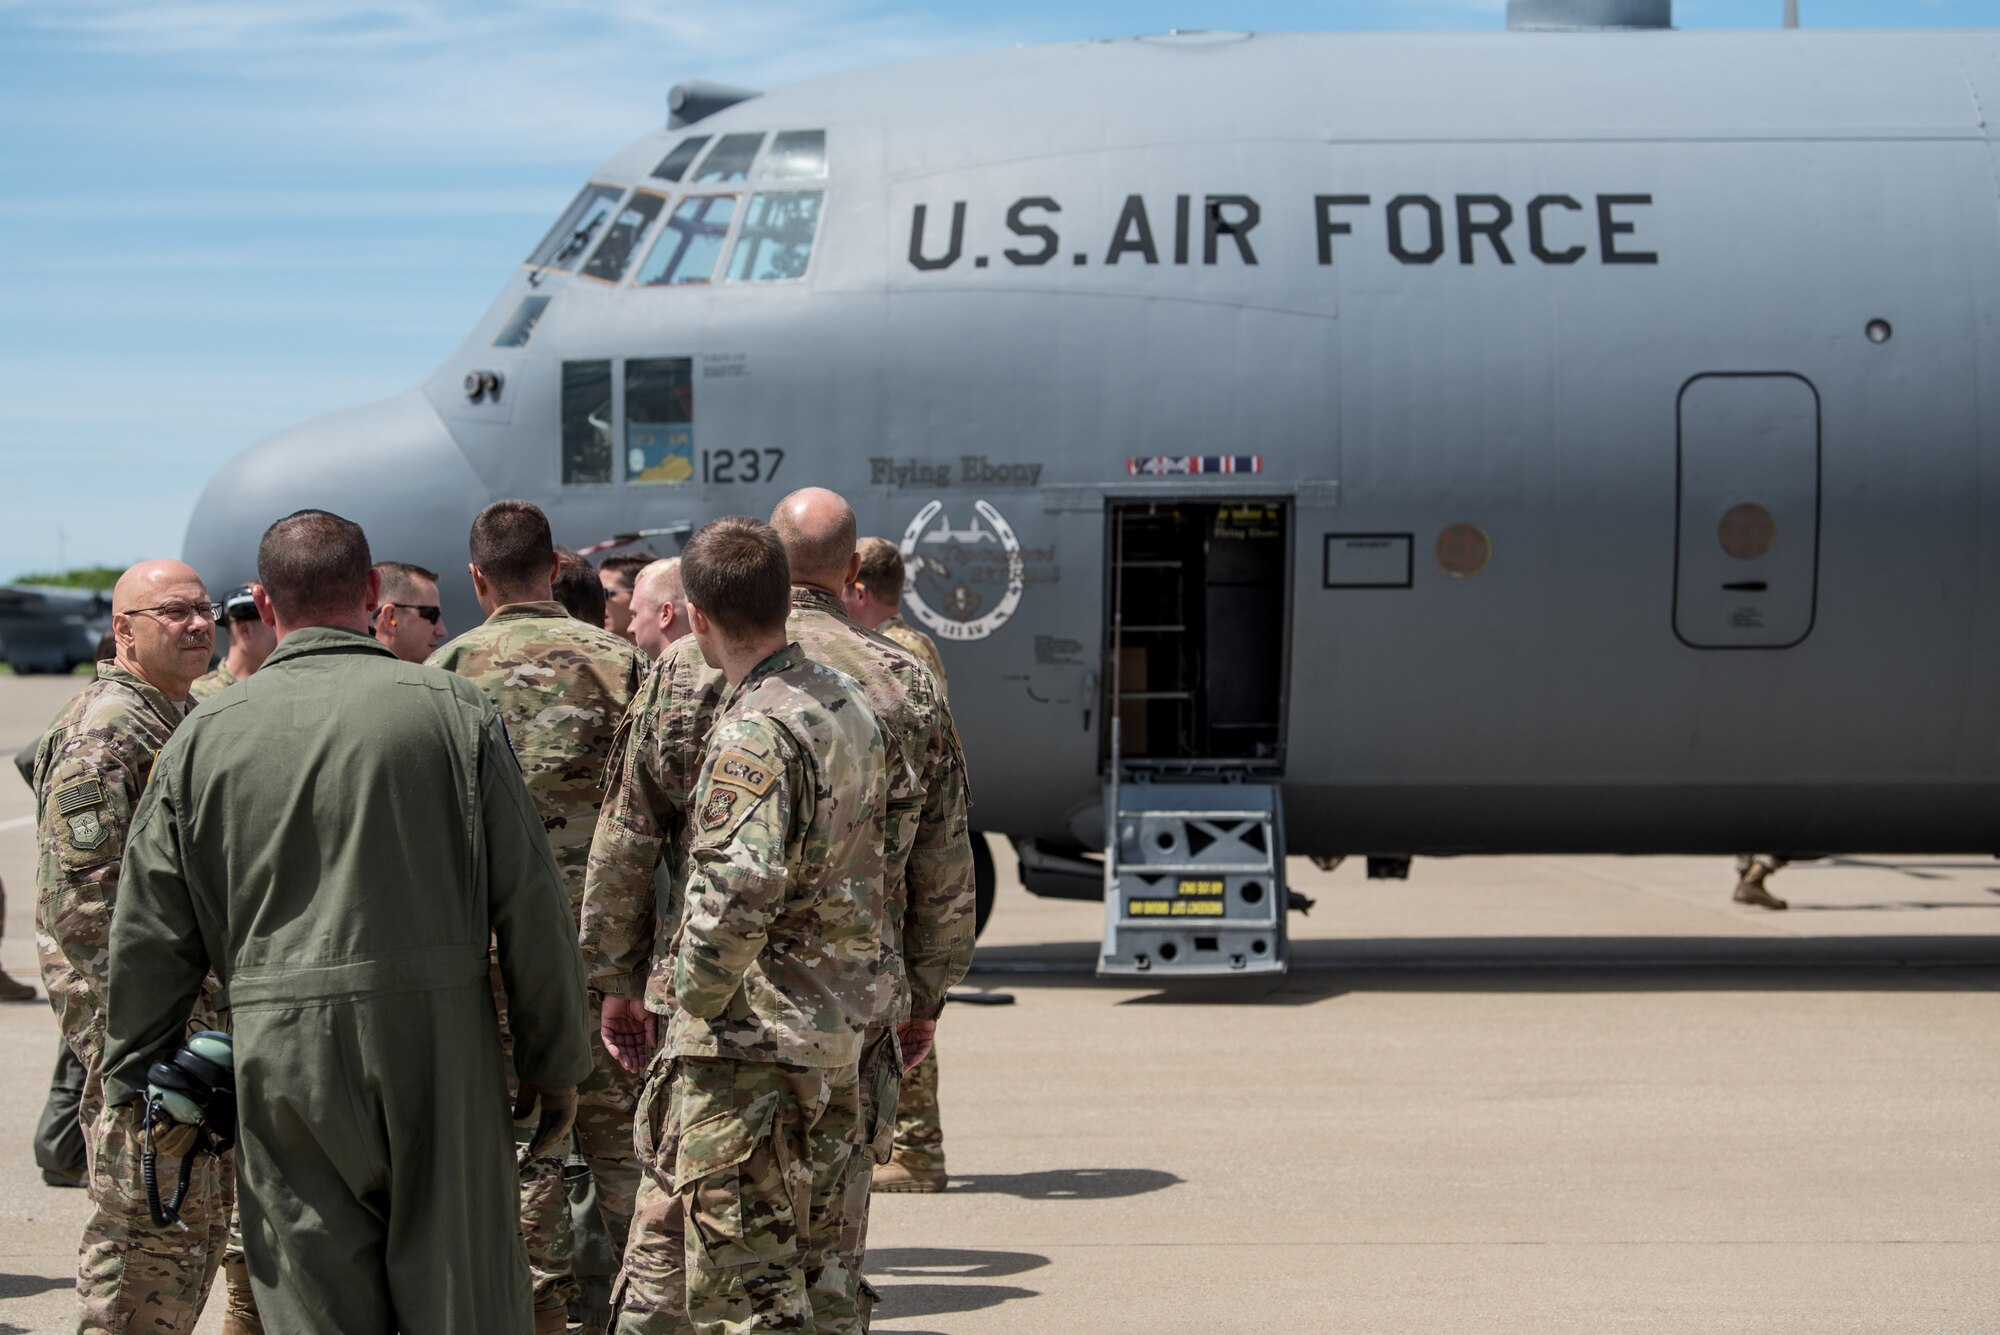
x=624 y=236
x=690 y=243
x=586 y=422
x=796 y=155
x=730 y=159
x=675 y=164
x=520 y=326
x=776 y=242
x=577 y=228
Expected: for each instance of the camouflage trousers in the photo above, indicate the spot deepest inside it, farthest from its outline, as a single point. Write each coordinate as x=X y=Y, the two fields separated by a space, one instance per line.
x=131 y=1274
x=880 y=1081
x=603 y=1136
x=739 y=1212
x=919 y=1131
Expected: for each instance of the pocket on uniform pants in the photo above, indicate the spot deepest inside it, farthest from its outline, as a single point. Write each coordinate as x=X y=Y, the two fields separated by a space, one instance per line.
x=884 y=1078
x=730 y=1171
x=653 y=1141
x=117 y=1180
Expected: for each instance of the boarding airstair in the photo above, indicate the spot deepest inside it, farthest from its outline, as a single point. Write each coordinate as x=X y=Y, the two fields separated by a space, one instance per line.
x=1194 y=880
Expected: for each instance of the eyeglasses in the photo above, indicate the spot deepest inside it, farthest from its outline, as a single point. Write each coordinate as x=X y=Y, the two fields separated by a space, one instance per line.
x=429 y=612
x=212 y=612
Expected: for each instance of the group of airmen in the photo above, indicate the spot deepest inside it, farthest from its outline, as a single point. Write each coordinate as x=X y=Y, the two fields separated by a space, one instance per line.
x=683 y=891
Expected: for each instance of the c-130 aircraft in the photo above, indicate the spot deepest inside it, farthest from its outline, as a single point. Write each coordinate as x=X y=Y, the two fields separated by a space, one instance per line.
x=1552 y=440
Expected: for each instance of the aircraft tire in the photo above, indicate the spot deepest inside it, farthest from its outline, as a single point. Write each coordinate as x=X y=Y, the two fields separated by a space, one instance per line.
x=983 y=880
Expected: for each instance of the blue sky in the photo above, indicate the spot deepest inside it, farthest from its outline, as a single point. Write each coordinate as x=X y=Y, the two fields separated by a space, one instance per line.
x=229 y=215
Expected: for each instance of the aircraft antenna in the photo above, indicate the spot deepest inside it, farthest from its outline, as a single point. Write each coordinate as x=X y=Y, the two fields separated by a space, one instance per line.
x=1791 y=13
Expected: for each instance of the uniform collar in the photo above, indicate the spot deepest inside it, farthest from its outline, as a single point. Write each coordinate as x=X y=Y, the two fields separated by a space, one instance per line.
x=155 y=698
x=325 y=640
x=778 y=661
x=894 y=619
x=522 y=611
x=806 y=598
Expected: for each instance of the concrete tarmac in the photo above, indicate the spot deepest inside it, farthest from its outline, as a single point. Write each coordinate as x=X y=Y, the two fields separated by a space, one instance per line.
x=1508 y=1095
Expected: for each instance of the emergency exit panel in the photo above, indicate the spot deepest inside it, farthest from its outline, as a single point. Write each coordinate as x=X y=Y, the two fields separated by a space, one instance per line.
x=1746 y=565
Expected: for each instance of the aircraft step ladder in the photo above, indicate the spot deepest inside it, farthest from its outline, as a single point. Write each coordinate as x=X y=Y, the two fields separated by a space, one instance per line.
x=1194 y=881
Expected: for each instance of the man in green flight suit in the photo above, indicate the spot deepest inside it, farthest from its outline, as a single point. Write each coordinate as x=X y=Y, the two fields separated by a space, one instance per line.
x=340 y=837
x=561 y=685
x=774 y=971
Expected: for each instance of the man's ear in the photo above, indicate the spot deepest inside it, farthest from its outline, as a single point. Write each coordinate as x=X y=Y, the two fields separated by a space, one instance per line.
x=698 y=619
x=555 y=569
x=265 y=612
x=853 y=568
x=374 y=591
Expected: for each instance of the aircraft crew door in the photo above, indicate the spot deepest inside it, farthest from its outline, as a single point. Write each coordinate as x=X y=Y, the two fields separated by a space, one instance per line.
x=1197 y=646
x=1746 y=566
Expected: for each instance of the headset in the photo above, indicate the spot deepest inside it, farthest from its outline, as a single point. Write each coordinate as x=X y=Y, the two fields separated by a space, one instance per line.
x=195 y=1086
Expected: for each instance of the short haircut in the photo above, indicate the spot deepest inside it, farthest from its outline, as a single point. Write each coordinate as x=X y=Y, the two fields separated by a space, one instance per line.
x=577 y=587
x=399 y=580
x=314 y=567
x=735 y=571
x=511 y=544
x=881 y=570
x=626 y=564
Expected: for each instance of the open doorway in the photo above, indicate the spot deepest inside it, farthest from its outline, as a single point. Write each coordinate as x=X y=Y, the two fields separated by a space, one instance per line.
x=1196 y=635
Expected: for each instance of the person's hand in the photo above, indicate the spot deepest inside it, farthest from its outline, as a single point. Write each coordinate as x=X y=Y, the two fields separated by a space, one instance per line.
x=916 y=1036
x=174 y=1139
x=629 y=1031
x=558 y=1112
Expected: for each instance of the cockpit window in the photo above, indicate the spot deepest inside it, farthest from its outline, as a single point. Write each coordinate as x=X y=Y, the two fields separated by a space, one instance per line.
x=690 y=243
x=777 y=237
x=675 y=164
x=586 y=422
x=577 y=228
x=659 y=419
x=520 y=326
x=622 y=238
x=796 y=155
x=730 y=159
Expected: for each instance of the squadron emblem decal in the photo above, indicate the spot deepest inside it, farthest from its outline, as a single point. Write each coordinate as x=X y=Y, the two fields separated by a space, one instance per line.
x=962 y=583
x=721 y=801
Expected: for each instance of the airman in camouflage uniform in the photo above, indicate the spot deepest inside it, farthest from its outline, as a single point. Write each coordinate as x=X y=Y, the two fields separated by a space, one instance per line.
x=927 y=928
x=90 y=770
x=872 y=598
x=561 y=686
x=751 y=1111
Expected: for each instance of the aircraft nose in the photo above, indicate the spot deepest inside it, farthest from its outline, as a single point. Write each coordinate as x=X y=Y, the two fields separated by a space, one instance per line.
x=391 y=467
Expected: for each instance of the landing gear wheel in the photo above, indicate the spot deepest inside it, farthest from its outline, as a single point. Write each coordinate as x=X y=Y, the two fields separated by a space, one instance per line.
x=982 y=882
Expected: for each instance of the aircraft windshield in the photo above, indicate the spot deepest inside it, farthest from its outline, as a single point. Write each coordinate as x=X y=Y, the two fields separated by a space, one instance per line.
x=578 y=226
x=730 y=159
x=690 y=243
x=777 y=238
x=622 y=239
x=675 y=164
x=796 y=155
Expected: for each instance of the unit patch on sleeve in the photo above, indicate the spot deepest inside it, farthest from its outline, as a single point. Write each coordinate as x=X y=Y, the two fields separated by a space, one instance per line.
x=744 y=771
x=78 y=804
x=716 y=810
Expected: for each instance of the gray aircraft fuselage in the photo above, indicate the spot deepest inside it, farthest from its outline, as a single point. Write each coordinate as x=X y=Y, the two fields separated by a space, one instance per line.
x=1617 y=412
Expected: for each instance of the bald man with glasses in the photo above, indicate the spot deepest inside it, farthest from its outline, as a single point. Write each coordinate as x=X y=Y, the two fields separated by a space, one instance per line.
x=90 y=770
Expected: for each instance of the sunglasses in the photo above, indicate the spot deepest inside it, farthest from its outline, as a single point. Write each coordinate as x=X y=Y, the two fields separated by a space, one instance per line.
x=428 y=611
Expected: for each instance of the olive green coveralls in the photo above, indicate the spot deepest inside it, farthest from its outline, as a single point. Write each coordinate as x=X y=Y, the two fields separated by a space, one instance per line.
x=339 y=837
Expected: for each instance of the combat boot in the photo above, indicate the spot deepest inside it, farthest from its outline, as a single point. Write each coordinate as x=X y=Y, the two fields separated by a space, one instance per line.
x=552 y=1321
x=240 y=1316
x=899 y=1174
x=13 y=989
x=1750 y=890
